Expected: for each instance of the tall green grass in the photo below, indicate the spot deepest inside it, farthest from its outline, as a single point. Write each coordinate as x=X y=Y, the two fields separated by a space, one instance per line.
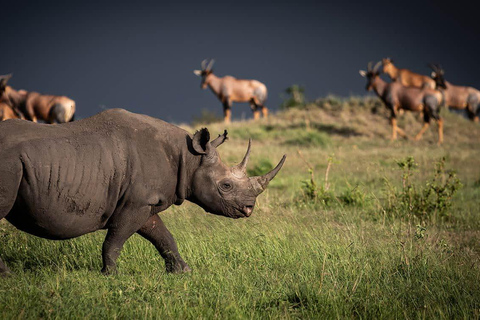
x=293 y=258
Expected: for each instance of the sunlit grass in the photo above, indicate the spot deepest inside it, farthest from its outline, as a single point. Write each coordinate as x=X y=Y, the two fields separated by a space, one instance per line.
x=291 y=259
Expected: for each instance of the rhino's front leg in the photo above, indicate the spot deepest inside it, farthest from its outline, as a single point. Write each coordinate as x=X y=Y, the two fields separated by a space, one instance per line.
x=156 y=232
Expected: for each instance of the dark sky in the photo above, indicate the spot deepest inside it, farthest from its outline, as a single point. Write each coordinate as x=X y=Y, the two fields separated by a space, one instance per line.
x=140 y=56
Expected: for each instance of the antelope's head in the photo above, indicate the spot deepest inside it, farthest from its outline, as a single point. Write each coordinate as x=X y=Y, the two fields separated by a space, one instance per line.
x=387 y=64
x=3 y=82
x=205 y=71
x=438 y=75
x=371 y=74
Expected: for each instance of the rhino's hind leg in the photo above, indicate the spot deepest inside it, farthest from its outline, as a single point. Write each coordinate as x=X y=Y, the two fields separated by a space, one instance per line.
x=156 y=232
x=122 y=228
x=10 y=177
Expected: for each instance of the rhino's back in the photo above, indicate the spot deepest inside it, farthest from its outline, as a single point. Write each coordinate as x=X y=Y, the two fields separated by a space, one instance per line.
x=74 y=174
x=69 y=186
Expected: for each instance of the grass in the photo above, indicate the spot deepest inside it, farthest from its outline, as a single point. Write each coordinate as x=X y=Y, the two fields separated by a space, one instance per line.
x=292 y=258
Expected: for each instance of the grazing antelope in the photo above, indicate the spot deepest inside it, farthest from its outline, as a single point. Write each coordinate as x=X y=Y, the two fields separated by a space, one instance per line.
x=406 y=77
x=395 y=96
x=34 y=106
x=457 y=97
x=229 y=89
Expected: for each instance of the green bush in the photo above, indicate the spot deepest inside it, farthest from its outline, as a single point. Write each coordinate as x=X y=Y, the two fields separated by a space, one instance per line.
x=431 y=200
x=311 y=193
x=295 y=98
x=262 y=167
x=309 y=139
x=206 y=117
x=353 y=197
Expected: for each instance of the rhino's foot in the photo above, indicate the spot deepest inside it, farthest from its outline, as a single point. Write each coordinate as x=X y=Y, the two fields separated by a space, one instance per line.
x=177 y=267
x=5 y=273
x=107 y=271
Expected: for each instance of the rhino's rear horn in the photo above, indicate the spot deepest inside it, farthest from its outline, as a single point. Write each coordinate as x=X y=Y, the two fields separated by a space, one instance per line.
x=241 y=168
x=261 y=182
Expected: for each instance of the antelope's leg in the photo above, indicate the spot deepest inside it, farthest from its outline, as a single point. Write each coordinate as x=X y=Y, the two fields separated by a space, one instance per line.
x=256 y=114
x=227 y=112
x=422 y=131
x=30 y=112
x=401 y=132
x=440 y=130
x=393 y=121
x=264 y=111
x=254 y=107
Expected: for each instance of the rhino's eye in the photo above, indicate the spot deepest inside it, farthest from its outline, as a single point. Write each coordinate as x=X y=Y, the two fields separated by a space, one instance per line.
x=226 y=186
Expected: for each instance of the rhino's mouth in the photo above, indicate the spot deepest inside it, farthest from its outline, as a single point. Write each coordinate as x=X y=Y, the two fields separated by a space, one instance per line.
x=247 y=210
x=243 y=211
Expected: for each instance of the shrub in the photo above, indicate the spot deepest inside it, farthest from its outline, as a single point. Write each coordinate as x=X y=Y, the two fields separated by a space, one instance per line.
x=206 y=117
x=353 y=197
x=309 y=139
x=261 y=168
x=314 y=194
x=431 y=200
x=295 y=98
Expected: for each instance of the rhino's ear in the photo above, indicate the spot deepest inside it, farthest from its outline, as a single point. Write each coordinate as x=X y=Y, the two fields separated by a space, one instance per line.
x=220 y=139
x=201 y=141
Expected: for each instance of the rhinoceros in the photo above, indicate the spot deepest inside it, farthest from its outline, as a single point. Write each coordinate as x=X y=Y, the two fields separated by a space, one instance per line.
x=116 y=171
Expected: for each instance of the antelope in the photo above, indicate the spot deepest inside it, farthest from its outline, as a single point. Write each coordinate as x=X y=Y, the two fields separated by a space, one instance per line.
x=35 y=106
x=406 y=77
x=6 y=112
x=396 y=97
x=457 y=97
x=229 y=89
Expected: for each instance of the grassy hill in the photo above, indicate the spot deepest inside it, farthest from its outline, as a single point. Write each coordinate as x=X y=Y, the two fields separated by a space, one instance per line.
x=353 y=226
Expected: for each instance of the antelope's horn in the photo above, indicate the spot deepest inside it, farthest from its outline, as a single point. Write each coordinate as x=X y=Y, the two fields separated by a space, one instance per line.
x=377 y=65
x=210 y=64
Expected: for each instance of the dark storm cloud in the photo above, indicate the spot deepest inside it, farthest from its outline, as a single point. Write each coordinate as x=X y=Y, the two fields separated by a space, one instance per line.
x=141 y=56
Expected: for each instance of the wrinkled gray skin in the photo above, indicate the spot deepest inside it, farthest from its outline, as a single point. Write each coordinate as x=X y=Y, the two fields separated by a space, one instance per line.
x=116 y=171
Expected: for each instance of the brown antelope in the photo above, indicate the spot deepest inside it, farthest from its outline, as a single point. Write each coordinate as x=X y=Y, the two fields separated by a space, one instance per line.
x=457 y=97
x=34 y=106
x=6 y=112
x=395 y=96
x=229 y=89
x=406 y=77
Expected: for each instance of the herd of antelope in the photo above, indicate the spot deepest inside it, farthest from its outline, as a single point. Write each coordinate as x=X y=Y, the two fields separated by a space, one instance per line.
x=33 y=106
x=411 y=91
x=408 y=91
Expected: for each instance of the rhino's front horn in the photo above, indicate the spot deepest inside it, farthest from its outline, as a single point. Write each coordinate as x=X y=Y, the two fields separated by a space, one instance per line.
x=260 y=183
x=241 y=168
